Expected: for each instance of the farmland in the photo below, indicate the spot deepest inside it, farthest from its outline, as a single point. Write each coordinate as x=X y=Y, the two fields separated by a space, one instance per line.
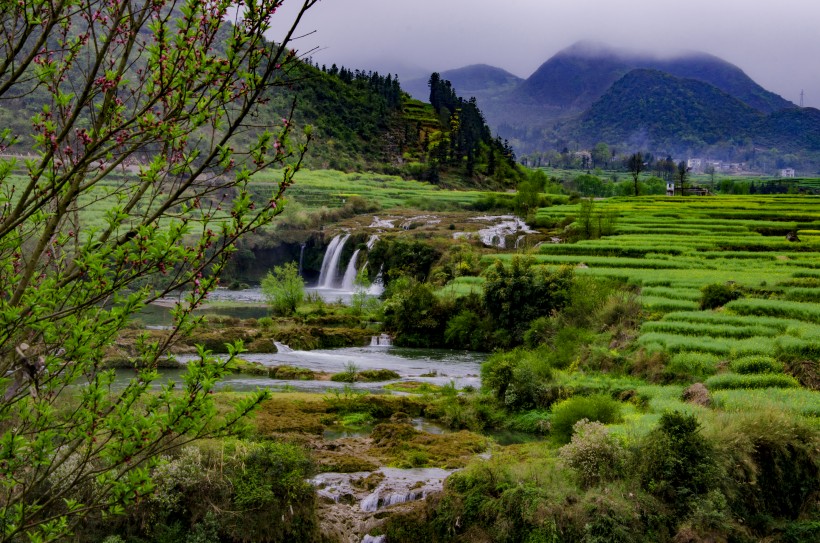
x=671 y=248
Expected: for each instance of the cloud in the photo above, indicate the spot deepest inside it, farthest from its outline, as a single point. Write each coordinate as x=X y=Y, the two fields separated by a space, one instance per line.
x=774 y=42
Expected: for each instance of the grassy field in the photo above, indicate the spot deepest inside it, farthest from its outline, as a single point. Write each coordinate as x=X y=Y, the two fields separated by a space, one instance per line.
x=673 y=247
x=330 y=188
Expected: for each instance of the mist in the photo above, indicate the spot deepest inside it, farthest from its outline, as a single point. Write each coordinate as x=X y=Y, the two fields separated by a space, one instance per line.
x=774 y=43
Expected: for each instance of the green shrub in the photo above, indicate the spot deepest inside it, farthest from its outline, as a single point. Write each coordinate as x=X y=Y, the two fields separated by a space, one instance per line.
x=730 y=381
x=265 y=322
x=517 y=377
x=676 y=463
x=593 y=453
x=756 y=364
x=232 y=490
x=598 y=408
x=375 y=376
x=349 y=375
x=284 y=288
x=466 y=331
x=801 y=532
x=775 y=466
x=717 y=295
x=535 y=421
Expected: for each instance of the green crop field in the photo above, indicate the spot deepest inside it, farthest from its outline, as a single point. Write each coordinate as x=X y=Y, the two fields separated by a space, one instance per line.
x=330 y=188
x=673 y=247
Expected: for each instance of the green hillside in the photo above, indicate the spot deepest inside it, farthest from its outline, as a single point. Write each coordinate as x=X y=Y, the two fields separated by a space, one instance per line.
x=654 y=110
x=360 y=121
x=665 y=111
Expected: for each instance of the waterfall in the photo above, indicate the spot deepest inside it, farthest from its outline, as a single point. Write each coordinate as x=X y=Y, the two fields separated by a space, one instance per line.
x=349 y=280
x=372 y=241
x=301 y=258
x=330 y=263
x=374 y=538
x=282 y=348
x=382 y=340
x=377 y=287
x=376 y=501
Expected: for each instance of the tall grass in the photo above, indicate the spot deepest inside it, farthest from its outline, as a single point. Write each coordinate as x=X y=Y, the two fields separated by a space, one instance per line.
x=796 y=400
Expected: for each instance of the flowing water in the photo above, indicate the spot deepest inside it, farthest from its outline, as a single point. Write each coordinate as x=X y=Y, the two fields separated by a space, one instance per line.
x=432 y=366
x=330 y=263
x=397 y=486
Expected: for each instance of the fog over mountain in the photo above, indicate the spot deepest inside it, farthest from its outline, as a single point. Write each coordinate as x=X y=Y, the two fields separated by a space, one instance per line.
x=774 y=43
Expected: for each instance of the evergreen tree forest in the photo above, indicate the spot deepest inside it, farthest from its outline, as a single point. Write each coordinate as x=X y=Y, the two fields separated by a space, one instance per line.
x=465 y=144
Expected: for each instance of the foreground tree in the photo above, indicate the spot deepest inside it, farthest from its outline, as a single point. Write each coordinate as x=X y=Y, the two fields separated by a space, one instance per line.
x=134 y=192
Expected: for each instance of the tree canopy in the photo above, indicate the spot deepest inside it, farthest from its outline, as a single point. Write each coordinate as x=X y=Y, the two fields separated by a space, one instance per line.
x=133 y=192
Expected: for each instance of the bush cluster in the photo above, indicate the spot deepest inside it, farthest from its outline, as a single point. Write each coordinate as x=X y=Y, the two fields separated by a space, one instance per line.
x=229 y=491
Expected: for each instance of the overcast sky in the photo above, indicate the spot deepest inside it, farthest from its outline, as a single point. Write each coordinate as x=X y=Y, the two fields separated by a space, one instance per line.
x=776 y=42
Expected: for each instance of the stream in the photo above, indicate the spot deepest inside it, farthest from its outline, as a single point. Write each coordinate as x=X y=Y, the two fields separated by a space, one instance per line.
x=433 y=366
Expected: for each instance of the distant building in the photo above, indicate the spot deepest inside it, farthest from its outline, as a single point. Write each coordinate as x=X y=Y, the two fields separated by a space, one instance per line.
x=670 y=188
x=787 y=172
x=695 y=164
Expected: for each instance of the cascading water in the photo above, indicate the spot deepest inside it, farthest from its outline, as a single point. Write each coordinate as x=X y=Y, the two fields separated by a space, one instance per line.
x=377 y=287
x=282 y=348
x=349 y=280
x=301 y=257
x=382 y=340
x=372 y=241
x=330 y=263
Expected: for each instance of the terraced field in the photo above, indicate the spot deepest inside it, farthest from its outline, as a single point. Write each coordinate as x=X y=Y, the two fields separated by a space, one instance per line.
x=671 y=248
x=330 y=188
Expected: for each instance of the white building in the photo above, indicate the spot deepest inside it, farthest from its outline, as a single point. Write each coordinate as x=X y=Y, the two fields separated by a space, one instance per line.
x=787 y=172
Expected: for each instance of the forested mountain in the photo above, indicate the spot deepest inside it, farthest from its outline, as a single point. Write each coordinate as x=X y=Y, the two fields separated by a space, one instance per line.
x=481 y=81
x=361 y=120
x=590 y=93
x=578 y=75
x=649 y=109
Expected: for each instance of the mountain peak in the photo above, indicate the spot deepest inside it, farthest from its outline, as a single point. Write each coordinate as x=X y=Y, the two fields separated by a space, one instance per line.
x=580 y=74
x=596 y=49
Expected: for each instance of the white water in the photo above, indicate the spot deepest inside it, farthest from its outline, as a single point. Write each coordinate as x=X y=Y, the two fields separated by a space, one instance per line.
x=377 y=286
x=436 y=367
x=382 y=340
x=374 y=538
x=282 y=348
x=372 y=241
x=507 y=225
x=382 y=223
x=330 y=263
x=349 y=279
x=397 y=486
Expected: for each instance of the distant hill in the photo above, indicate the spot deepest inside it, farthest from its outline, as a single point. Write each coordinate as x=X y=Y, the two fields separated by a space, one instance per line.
x=578 y=75
x=361 y=120
x=478 y=80
x=649 y=109
x=591 y=92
